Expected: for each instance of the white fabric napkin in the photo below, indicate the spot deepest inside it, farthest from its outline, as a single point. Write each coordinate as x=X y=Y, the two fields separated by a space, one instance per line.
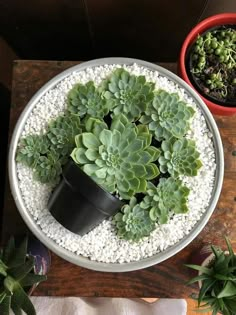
x=107 y=306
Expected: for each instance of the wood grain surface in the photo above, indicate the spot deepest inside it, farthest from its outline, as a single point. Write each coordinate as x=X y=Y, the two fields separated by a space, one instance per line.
x=163 y=280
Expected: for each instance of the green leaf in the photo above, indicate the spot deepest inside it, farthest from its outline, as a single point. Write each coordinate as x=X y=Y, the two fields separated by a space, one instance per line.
x=152 y=171
x=200 y=268
x=16 y=309
x=89 y=140
x=91 y=154
x=106 y=137
x=228 y=290
x=198 y=278
x=8 y=250
x=206 y=285
x=31 y=279
x=79 y=156
x=21 y=299
x=5 y=306
x=3 y=269
x=19 y=255
x=21 y=271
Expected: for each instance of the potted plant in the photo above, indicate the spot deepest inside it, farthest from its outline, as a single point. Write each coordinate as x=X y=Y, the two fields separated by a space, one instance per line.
x=216 y=279
x=127 y=136
x=22 y=267
x=120 y=140
x=207 y=62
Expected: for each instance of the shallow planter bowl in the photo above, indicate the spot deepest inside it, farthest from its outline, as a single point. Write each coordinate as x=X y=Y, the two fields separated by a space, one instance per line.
x=116 y=267
x=203 y=26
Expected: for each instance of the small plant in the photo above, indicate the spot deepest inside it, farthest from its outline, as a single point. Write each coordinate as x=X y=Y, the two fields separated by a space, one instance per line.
x=167 y=116
x=133 y=222
x=213 y=58
x=87 y=100
x=16 y=273
x=179 y=157
x=218 y=282
x=169 y=196
x=120 y=159
x=46 y=153
x=130 y=94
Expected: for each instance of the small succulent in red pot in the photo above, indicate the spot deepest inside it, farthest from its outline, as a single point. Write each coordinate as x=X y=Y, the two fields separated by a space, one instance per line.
x=208 y=62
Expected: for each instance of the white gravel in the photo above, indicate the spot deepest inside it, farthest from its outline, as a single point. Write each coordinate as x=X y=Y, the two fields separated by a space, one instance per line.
x=102 y=244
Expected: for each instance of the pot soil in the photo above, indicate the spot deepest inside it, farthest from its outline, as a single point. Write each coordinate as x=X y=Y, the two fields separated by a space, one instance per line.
x=211 y=67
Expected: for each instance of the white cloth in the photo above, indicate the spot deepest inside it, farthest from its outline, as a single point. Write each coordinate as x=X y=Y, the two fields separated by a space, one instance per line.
x=107 y=306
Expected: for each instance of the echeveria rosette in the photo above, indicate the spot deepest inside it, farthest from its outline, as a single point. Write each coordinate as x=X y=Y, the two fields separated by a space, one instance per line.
x=31 y=148
x=133 y=222
x=167 y=116
x=48 y=168
x=179 y=157
x=120 y=159
x=88 y=100
x=130 y=94
x=61 y=133
x=169 y=195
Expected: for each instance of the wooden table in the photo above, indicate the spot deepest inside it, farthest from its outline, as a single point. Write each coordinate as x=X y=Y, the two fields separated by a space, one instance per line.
x=164 y=280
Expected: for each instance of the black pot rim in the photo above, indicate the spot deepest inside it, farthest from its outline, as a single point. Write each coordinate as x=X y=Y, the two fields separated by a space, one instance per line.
x=192 y=77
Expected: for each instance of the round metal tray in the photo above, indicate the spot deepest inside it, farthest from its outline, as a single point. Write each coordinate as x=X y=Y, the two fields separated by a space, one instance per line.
x=83 y=261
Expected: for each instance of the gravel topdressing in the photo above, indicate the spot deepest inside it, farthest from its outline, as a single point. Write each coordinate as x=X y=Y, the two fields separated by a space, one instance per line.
x=102 y=244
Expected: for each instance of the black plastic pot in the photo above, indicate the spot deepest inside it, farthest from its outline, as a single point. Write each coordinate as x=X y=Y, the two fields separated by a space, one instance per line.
x=78 y=203
x=196 y=81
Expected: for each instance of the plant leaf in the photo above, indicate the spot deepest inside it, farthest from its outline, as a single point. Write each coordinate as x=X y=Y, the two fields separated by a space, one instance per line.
x=21 y=299
x=228 y=290
x=5 y=306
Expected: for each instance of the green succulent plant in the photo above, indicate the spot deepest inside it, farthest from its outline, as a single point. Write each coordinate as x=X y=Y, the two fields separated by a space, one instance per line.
x=179 y=157
x=48 y=168
x=31 y=148
x=167 y=116
x=120 y=159
x=169 y=195
x=46 y=153
x=218 y=282
x=133 y=222
x=130 y=94
x=16 y=273
x=61 y=133
x=87 y=99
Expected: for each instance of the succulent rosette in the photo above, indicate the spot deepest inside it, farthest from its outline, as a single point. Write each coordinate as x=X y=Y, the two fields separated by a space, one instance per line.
x=87 y=100
x=129 y=94
x=120 y=158
x=179 y=157
x=167 y=116
x=170 y=195
x=133 y=222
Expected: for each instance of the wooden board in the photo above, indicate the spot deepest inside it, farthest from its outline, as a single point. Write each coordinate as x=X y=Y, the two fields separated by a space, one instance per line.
x=163 y=280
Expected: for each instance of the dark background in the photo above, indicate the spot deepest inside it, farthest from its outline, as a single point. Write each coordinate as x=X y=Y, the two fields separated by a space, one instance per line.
x=152 y=30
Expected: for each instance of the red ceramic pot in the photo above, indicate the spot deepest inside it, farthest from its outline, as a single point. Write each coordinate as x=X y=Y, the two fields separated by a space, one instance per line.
x=203 y=26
